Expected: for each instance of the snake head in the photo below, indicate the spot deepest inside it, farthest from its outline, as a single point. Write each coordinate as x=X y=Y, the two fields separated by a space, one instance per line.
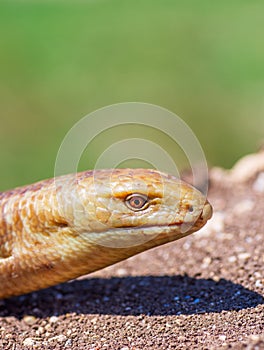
x=124 y=207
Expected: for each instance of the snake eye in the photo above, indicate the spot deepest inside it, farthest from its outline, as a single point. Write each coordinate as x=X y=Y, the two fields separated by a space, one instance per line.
x=136 y=201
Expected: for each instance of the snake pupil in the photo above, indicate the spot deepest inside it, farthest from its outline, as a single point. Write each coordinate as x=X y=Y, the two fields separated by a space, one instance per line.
x=190 y=209
x=136 y=201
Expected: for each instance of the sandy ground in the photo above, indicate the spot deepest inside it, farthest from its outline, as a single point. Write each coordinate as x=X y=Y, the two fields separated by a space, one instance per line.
x=202 y=292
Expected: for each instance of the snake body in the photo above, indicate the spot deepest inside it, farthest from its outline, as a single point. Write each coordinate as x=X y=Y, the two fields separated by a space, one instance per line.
x=62 y=228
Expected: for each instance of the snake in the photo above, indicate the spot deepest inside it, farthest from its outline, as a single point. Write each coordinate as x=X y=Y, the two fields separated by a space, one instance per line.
x=59 y=229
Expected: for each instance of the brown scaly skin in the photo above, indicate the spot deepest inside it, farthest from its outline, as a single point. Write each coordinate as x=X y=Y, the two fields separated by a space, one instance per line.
x=62 y=228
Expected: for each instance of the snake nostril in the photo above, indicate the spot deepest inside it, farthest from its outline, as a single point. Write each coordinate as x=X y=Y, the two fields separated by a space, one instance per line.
x=190 y=209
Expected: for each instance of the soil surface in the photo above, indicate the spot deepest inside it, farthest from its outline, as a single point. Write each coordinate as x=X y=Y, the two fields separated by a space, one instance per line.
x=204 y=291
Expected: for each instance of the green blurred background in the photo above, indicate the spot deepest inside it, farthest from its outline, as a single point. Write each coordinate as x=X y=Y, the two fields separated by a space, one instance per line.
x=60 y=60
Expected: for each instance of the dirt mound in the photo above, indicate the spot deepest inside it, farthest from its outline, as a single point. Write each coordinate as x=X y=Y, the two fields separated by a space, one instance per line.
x=202 y=292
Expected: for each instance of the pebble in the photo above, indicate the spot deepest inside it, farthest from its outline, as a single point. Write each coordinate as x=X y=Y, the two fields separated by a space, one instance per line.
x=254 y=337
x=59 y=338
x=121 y=272
x=181 y=338
x=68 y=343
x=53 y=319
x=259 y=284
x=222 y=337
x=206 y=262
x=258 y=185
x=196 y=301
x=243 y=207
x=29 y=342
x=40 y=330
x=257 y=274
x=232 y=259
x=243 y=256
x=247 y=167
x=30 y=320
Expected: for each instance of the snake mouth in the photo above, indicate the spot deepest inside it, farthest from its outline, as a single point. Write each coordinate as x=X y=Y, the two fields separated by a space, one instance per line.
x=199 y=221
x=152 y=229
x=196 y=223
x=130 y=236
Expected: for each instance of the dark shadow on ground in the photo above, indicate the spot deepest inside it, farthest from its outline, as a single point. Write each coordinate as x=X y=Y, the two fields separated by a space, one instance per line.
x=150 y=295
